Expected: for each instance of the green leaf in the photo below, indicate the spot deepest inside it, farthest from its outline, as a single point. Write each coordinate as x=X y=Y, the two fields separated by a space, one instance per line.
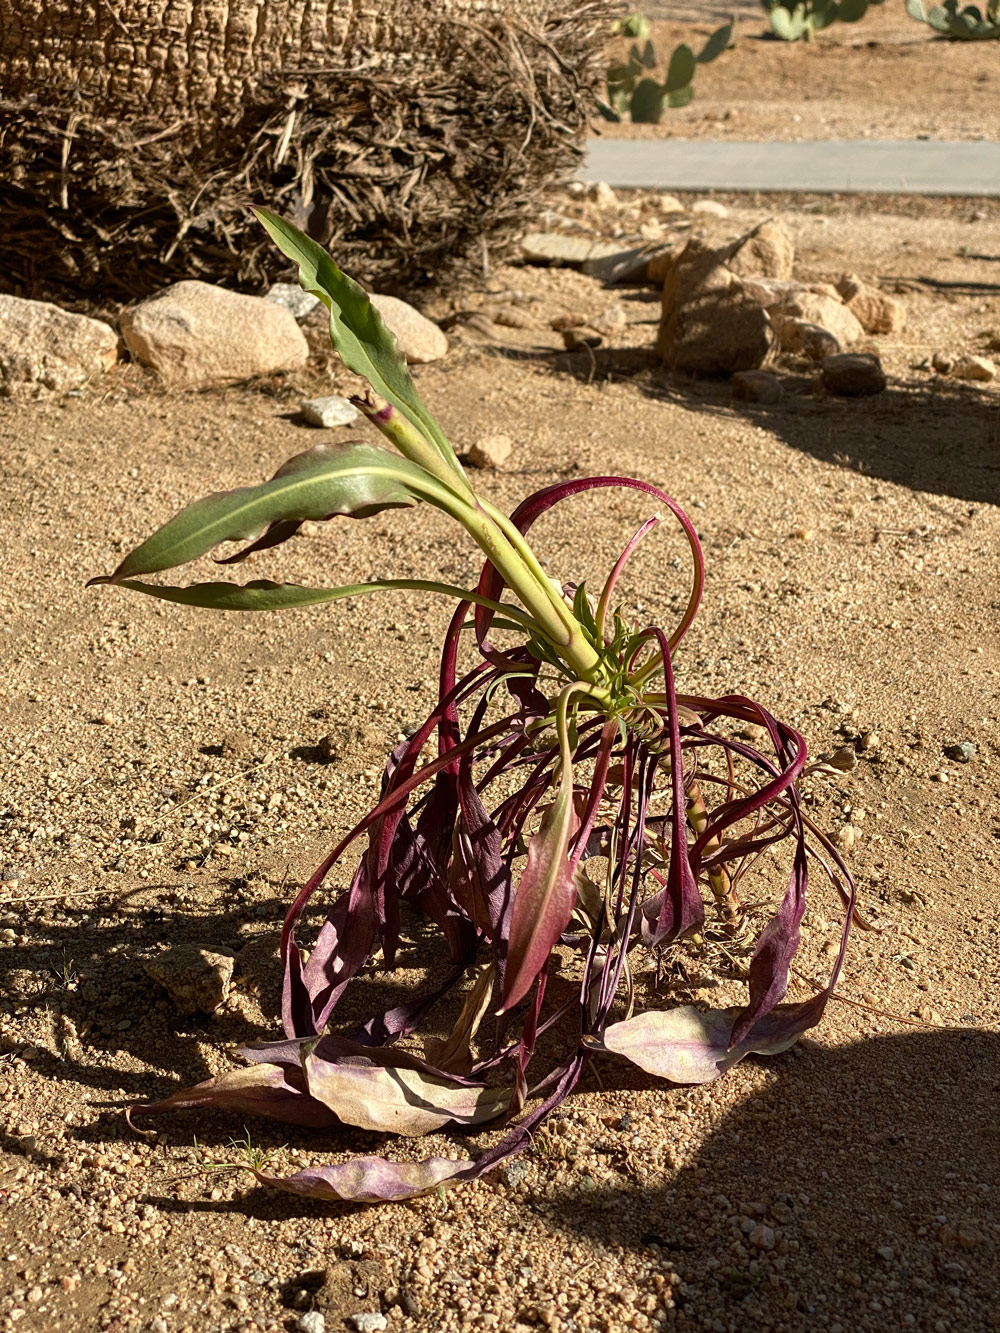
x=647 y=103
x=720 y=40
x=353 y=479
x=850 y=11
x=356 y=329
x=915 y=9
x=681 y=97
x=265 y=595
x=681 y=69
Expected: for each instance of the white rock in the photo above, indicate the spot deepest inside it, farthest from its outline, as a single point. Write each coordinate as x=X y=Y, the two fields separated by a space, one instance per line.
x=368 y=1321
x=194 y=334
x=491 y=451
x=312 y=1322
x=420 y=340
x=43 y=347
x=979 y=368
x=709 y=208
x=293 y=298
x=328 y=412
x=669 y=203
x=603 y=195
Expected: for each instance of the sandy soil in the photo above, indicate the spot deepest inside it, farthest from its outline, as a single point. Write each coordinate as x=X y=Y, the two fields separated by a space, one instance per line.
x=885 y=77
x=163 y=783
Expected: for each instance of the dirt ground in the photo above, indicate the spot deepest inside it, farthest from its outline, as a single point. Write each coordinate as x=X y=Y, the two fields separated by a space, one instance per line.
x=163 y=782
x=885 y=77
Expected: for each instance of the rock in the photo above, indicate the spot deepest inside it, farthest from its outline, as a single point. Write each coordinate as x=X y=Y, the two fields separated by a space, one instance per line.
x=853 y=375
x=798 y=337
x=491 y=451
x=772 y=293
x=623 y=266
x=602 y=195
x=669 y=203
x=575 y=339
x=45 y=348
x=826 y=311
x=328 y=412
x=757 y=386
x=513 y=1173
x=762 y=1237
x=418 y=338
x=551 y=247
x=611 y=320
x=942 y=363
x=962 y=753
x=874 y=311
x=368 y=1321
x=886 y=1252
x=311 y=1322
x=709 y=208
x=978 y=368
x=709 y=325
x=293 y=298
x=194 y=334
x=196 y=979
x=765 y=252
x=660 y=262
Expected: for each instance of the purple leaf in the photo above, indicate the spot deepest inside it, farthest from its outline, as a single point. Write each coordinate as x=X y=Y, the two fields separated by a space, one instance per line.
x=397 y=1098
x=688 y=1045
x=272 y=1090
x=546 y=893
x=370 y=1179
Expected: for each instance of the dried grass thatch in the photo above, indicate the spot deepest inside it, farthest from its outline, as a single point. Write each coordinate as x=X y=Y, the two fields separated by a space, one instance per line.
x=412 y=142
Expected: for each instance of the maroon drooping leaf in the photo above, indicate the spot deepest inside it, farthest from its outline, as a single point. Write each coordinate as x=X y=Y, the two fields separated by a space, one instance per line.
x=681 y=908
x=370 y=1179
x=277 y=1091
x=689 y=1045
x=546 y=892
x=491 y=583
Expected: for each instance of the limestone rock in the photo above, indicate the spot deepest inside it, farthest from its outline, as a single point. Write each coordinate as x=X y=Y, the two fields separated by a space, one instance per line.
x=709 y=325
x=977 y=368
x=328 y=412
x=710 y=208
x=828 y=313
x=194 y=335
x=757 y=386
x=773 y=293
x=765 y=252
x=293 y=298
x=669 y=203
x=853 y=375
x=603 y=195
x=491 y=451
x=874 y=311
x=43 y=347
x=419 y=339
x=552 y=247
x=196 y=979
x=624 y=266
x=800 y=338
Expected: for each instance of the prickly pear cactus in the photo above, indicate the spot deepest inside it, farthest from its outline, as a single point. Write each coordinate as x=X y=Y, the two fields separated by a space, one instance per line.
x=964 y=25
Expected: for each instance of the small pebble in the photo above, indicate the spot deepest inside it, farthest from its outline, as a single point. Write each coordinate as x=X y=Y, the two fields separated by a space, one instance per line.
x=962 y=753
x=886 y=1252
x=762 y=1237
x=369 y=1321
x=710 y=208
x=312 y=1322
x=328 y=412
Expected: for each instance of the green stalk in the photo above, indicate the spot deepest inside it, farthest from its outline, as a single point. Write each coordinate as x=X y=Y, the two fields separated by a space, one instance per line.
x=505 y=547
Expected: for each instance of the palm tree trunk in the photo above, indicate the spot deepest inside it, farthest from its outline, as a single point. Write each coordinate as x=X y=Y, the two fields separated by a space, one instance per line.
x=137 y=131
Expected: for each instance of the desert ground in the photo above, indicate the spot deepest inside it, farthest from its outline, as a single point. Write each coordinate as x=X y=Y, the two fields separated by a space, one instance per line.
x=164 y=782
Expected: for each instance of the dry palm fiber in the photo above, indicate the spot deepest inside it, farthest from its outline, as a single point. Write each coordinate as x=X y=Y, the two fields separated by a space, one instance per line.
x=410 y=139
